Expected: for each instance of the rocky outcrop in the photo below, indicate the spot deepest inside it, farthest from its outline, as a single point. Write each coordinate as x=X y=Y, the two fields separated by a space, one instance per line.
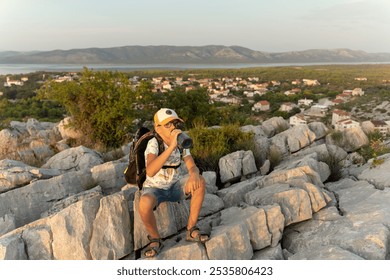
x=30 y=142
x=350 y=140
x=76 y=206
x=74 y=159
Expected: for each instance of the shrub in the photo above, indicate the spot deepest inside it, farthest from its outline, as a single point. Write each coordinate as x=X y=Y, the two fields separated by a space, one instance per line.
x=375 y=148
x=210 y=144
x=337 y=137
x=275 y=156
x=101 y=105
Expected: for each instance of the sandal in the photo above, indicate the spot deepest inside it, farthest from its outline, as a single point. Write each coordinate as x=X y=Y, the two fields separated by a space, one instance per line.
x=200 y=237
x=153 y=251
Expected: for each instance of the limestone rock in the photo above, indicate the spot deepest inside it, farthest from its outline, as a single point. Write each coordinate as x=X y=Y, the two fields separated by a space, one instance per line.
x=29 y=202
x=12 y=248
x=234 y=195
x=351 y=139
x=109 y=176
x=274 y=126
x=294 y=203
x=7 y=223
x=67 y=131
x=111 y=235
x=320 y=130
x=377 y=175
x=74 y=159
x=235 y=165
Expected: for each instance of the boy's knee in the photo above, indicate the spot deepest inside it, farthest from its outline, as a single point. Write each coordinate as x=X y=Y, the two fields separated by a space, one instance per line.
x=146 y=203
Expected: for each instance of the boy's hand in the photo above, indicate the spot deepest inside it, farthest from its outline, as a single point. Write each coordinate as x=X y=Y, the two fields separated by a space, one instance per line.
x=174 y=133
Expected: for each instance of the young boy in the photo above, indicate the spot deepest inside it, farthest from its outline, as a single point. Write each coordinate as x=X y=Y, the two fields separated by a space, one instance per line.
x=163 y=182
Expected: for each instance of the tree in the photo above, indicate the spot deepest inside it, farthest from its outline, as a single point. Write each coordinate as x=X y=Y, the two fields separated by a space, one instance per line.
x=100 y=103
x=192 y=106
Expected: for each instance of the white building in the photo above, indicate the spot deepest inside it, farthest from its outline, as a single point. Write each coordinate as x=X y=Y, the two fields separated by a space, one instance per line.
x=345 y=124
x=339 y=115
x=357 y=92
x=305 y=102
x=262 y=105
x=9 y=82
x=297 y=119
x=382 y=127
x=308 y=82
x=287 y=107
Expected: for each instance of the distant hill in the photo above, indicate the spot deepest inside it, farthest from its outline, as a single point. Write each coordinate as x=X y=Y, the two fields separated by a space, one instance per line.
x=188 y=54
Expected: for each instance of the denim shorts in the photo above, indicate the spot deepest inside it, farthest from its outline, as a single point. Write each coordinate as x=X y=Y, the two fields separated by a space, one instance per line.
x=175 y=193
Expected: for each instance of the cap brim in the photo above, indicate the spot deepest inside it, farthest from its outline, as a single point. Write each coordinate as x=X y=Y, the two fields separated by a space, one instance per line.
x=167 y=120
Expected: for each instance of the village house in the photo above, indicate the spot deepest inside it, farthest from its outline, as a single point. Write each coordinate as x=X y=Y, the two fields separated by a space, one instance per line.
x=287 y=107
x=297 y=119
x=66 y=78
x=344 y=96
x=262 y=105
x=345 y=124
x=228 y=99
x=9 y=82
x=376 y=125
x=305 y=102
x=338 y=101
x=296 y=82
x=339 y=115
x=316 y=111
x=308 y=82
x=357 y=91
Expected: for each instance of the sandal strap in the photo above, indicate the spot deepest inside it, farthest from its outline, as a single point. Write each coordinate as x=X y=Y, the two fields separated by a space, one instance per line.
x=158 y=240
x=194 y=228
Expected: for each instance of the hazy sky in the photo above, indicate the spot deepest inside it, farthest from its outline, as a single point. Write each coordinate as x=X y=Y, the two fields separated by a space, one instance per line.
x=262 y=25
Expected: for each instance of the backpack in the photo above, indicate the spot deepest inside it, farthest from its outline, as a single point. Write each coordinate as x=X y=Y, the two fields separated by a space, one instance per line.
x=135 y=172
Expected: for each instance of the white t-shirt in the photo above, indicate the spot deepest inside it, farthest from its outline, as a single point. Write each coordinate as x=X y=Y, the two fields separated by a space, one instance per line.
x=165 y=177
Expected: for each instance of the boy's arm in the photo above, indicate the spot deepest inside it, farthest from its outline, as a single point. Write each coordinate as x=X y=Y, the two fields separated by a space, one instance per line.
x=196 y=180
x=154 y=162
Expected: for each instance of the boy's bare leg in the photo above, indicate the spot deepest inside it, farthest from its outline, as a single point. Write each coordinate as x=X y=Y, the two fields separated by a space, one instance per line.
x=147 y=203
x=195 y=206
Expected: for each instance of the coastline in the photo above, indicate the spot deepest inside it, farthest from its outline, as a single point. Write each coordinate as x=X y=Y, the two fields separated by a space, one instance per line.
x=14 y=69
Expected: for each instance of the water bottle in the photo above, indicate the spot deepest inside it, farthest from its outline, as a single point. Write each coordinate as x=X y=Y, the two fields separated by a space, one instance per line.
x=184 y=141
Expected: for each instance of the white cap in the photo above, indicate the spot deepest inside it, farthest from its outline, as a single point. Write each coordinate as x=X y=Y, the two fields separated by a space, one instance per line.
x=164 y=116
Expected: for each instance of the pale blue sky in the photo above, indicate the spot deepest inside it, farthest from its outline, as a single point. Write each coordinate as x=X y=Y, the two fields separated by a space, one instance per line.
x=262 y=25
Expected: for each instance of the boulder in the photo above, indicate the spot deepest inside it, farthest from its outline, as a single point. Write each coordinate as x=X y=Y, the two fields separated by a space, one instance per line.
x=8 y=143
x=67 y=131
x=14 y=174
x=111 y=233
x=299 y=137
x=377 y=174
x=74 y=159
x=320 y=130
x=274 y=126
x=234 y=195
x=351 y=139
x=7 y=223
x=243 y=230
x=295 y=203
x=12 y=248
x=109 y=176
x=235 y=165
x=29 y=202
x=211 y=181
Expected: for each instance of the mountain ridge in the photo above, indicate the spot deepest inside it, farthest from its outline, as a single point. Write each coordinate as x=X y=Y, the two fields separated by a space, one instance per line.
x=210 y=54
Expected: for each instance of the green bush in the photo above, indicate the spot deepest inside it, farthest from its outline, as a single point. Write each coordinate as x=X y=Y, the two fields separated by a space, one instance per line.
x=101 y=104
x=210 y=144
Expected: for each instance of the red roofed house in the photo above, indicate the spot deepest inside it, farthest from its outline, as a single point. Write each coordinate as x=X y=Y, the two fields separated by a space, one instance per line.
x=262 y=105
x=339 y=115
